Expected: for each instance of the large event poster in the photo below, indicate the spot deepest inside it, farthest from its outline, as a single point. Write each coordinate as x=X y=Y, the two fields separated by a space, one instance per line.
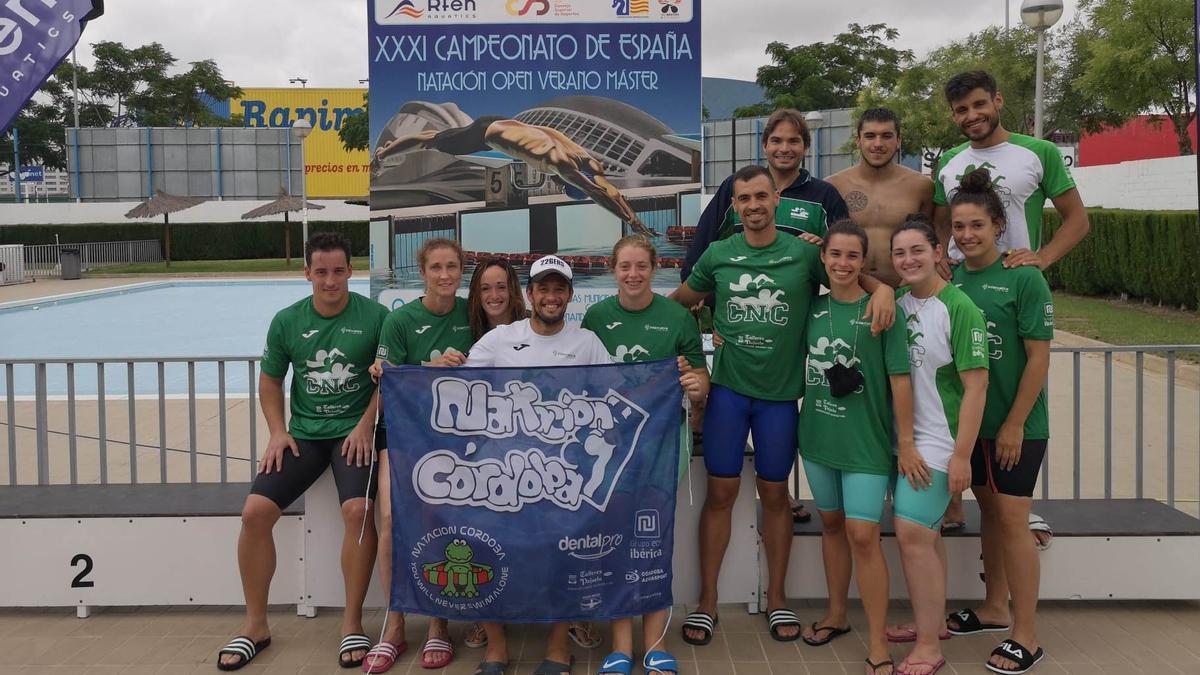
x=540 y=494
x=526 y=127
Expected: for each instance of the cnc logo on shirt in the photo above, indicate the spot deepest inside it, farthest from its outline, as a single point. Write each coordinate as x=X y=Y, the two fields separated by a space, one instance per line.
x=422 y=329
x=624 y=354
x=978 y=341
x=308 y=334
x=995 y=342
x=765 y=306
x=823 y=355
x=916 y=352
x=1004 y=192
x=336 y=377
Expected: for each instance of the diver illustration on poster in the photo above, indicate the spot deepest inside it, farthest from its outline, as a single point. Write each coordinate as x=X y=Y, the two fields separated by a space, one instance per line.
x=525 y=127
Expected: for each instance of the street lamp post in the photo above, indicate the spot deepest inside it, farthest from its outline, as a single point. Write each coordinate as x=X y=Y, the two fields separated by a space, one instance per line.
x=302 y=81
x=301 y=128
x=815 y=120
x=1040 y=15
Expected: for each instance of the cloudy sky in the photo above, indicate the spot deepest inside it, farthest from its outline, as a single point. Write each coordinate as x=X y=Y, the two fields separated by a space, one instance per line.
x=260 y=43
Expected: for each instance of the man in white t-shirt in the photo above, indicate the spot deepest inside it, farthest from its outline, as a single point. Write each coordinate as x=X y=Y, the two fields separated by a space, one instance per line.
x=544 y=339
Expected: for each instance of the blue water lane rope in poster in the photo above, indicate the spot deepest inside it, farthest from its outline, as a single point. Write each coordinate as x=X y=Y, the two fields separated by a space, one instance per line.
x=532 y=495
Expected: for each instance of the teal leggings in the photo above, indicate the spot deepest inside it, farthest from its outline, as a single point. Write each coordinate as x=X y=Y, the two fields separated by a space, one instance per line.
x=923 y=507
x=859 y=495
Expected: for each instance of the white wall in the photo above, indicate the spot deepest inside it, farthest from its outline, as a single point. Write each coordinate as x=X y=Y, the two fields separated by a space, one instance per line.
x=1149 y=184
x=208 y=212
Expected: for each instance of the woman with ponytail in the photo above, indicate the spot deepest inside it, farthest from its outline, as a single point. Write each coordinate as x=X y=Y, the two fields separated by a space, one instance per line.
x=1017 y=304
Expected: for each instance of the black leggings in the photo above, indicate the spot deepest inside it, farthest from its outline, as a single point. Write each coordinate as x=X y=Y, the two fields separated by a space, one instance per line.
x=299 y=473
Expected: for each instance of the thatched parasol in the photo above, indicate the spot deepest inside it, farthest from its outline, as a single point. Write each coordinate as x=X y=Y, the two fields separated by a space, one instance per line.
x=284 y=203
x=164 y=204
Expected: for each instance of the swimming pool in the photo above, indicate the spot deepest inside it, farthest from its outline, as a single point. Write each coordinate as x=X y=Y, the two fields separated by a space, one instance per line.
x=156 y=319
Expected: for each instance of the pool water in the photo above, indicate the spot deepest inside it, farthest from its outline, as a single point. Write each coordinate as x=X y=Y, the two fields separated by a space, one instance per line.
x=158 y=319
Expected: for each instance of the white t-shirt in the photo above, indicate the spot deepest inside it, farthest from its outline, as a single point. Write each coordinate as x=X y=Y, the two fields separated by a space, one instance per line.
x=516 y=344
x=946 y=334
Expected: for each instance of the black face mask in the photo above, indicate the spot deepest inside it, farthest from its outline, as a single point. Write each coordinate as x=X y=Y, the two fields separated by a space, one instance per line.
x=843 y=380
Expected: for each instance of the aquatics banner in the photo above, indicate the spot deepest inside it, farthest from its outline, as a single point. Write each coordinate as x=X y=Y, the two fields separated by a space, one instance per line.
x=34 y=38
x=532 y=495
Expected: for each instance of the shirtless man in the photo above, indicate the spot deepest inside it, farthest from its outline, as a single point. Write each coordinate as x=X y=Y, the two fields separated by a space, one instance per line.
x=542 y=148
x=879 y=192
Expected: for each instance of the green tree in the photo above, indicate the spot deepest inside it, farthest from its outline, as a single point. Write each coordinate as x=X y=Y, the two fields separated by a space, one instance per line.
x=355 y=133
x=829 y=74
x=126 y=87
x=1142 y=59
x=917 y=93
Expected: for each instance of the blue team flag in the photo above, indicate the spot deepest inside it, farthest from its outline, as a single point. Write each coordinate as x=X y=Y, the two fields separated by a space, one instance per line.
x=532 y=494
x=35 y=35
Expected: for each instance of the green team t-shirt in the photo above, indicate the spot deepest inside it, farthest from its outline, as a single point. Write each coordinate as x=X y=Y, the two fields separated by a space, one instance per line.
x=663 y=330
x=413 y=335
x=1025 y=172
x=854 y=432
x=946 y=335
x=762 y=301
x=329 y=358
x=1017 y=306
x=792 y=216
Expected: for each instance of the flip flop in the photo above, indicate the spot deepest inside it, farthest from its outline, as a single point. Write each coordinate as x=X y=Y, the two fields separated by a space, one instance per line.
x=659 y=662
x=873 y=668
x=581 y=633
x=905 y=633
x=476 y=637
x=382 y=657
x=437 y=645
x=244 y=647
x=782 y=618
x=903 y=670
x=549 y=667
x=491 y=668
x=969 y=624
x=1015 y=651
x=1038 y=524
x=701 y=621
x=352 y=643
x=616 y=663
x=800 y=514
x=834 y=632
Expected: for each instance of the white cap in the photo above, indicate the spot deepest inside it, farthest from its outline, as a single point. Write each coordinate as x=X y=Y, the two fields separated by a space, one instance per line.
x=548 y=265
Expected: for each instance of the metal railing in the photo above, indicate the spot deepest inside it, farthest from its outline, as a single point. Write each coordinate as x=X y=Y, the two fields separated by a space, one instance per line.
x=178 y=415
x=42 y=260
x=67 y=432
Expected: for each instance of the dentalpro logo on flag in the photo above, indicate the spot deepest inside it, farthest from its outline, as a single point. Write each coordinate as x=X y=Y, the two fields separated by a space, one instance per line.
x=35 y=35
x=539 y=494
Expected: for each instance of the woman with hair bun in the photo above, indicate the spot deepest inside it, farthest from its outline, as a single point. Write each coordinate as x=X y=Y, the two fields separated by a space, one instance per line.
x=1005 y=462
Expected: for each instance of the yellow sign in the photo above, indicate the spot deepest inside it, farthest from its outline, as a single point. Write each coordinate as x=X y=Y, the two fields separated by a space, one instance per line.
x=333 y=173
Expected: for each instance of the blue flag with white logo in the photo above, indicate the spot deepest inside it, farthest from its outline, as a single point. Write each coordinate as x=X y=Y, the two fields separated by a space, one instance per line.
x=532 y=494
x=34 y=38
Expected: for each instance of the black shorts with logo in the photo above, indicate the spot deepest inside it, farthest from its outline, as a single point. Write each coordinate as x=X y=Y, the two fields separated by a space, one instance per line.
x=299 y=473
x=1018 y=481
